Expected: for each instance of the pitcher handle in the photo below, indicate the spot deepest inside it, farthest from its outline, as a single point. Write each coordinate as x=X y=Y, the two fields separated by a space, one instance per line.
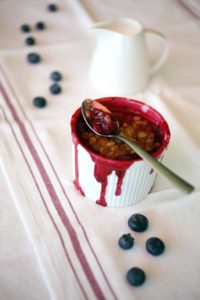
x=165 y=52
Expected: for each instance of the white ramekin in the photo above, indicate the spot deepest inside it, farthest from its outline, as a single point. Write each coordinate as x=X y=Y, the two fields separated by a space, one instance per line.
x=112 y=182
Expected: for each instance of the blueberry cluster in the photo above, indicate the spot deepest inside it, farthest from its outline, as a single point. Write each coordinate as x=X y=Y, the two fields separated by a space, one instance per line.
x=40 y=25
x=25 y=28
x=54 y=88
x=138 y=223
x=52 y=7
x=35 y=58
x=154 y=246
x=39 y=102
x=126 y=241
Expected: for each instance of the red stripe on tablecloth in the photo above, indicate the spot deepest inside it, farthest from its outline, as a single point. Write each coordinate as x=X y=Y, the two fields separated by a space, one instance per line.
x=72 y=233
x=44 y=203
x=188 y=9
x=63 y=190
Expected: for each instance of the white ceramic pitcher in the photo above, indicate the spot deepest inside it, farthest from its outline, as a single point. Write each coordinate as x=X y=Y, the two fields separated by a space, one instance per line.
x=120 y=63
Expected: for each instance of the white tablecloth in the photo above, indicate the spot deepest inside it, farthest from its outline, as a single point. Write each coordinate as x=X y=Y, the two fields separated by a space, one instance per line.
x=56 y=244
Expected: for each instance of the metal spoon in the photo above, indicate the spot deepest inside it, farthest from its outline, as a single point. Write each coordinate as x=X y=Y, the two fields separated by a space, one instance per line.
x=88 y=105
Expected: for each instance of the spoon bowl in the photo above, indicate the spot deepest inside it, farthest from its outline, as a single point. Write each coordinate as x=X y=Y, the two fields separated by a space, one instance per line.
x=99 y=119
x=103 y=123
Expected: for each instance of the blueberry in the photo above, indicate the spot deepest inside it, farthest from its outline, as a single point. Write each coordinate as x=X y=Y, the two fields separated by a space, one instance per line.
x=56 y=76
x=39 y=102
x=55 y=89
x=52 y=7
x=25 y=28
x=33 y=58
x=30 y=41
x=155 y=246
x=136 y=276
x=138 y=223
x=126 y=241
x=40 y=26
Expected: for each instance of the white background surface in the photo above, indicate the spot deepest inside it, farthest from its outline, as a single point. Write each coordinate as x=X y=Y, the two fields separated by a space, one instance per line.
x=67 y=45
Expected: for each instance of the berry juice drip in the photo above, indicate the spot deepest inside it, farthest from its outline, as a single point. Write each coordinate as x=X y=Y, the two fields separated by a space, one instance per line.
x=101 y=174
x=120 y=174
x=151 y=171
x=76 y=181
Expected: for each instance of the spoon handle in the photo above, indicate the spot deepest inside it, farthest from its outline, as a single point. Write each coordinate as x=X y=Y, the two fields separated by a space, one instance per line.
x=158 y=166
